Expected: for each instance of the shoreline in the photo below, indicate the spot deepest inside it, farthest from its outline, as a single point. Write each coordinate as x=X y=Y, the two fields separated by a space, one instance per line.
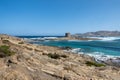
x=106 y=59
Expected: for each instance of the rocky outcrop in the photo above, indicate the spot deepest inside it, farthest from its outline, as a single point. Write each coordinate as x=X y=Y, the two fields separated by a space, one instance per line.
x=33 y=62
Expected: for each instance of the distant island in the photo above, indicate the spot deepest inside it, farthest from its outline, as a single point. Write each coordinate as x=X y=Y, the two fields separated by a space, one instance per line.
x=99 y=34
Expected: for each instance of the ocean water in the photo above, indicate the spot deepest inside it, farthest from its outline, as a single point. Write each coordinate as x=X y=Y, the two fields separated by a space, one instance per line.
x=107 y=47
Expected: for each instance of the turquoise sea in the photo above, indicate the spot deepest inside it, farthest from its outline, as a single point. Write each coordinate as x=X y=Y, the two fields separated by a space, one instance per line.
x=107 y=47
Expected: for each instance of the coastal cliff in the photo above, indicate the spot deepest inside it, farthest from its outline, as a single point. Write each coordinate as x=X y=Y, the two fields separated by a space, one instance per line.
x=20 y=60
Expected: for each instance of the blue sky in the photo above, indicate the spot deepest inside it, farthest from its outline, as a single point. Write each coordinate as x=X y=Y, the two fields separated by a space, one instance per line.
x=41 y=17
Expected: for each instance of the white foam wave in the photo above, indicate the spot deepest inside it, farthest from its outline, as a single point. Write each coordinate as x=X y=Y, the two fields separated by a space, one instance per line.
x=99 y=56
x=36 y=38
x=43 y=38
x=79 y=40
x=89 y=40
x=50 y=37
x=74 y=40
x=107 y=38
x=75 y=50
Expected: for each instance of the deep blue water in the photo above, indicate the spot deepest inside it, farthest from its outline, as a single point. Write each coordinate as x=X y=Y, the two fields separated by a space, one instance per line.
x=37 y=36
x=100 y=47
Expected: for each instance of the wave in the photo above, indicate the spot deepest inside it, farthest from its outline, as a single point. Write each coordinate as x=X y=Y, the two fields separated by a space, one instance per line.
x=79 y=40
x=44 y=38
x=75 y=50
x=107 y=38
x=41 y=38
x=35 y=38
x=99 y=56
x=50 y=37
x=99 y=39
x=74 y=40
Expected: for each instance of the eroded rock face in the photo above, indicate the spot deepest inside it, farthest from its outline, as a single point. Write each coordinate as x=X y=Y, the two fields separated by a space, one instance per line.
x=32 y=62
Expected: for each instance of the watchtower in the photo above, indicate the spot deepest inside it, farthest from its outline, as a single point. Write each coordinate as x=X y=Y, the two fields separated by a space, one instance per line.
x=67 y=35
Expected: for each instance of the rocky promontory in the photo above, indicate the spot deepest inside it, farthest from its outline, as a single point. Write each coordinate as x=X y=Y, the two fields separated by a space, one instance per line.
x=20 y=60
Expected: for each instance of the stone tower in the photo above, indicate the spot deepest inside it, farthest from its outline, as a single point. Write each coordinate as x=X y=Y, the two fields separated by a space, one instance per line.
x=67 y=35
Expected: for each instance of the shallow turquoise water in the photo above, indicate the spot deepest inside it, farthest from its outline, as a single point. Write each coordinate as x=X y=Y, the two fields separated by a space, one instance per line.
x=100 y=47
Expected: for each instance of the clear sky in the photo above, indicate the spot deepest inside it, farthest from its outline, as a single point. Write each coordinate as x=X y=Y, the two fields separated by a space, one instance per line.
x=36 y=17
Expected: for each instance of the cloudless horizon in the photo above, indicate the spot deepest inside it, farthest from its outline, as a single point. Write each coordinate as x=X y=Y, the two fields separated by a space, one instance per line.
x=55 y=17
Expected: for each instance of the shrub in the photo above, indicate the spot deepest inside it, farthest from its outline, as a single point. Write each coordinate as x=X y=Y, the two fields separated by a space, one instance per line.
x=54 y=56
x=5 y=51
x=89 y=63
x=21 y=42
x=64 y=56
x=5 y=41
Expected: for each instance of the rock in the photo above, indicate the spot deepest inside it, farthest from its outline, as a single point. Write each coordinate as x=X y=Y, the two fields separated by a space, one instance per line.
x=67 y=77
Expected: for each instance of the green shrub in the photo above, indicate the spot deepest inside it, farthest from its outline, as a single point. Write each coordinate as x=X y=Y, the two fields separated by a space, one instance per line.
x=5 y=51
x=64 y=56
x=54 y=56
x=5 y=41
x=21 y=42
x=89 y=63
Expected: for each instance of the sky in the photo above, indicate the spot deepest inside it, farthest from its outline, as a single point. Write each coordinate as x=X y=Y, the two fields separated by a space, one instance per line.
x=55 y=17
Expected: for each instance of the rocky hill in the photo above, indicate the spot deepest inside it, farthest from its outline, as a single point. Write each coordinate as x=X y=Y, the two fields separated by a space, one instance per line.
x=23 y=61
x=99 y=34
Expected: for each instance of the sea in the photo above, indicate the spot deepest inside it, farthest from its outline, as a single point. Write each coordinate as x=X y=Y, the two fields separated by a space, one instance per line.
x=103 y=49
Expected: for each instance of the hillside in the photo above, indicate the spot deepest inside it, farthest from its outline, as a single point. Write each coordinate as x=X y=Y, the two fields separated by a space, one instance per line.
x=20 y=60
x=99 y=34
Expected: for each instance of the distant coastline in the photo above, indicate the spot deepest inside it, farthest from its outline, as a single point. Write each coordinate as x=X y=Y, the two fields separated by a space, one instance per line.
x=99 y=34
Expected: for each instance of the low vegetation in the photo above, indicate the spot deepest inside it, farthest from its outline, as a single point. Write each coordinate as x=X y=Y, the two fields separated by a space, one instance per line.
x=89 y=63
x=64 y=56
x=5 y=51
x=5 y=41
x=21 y=42
x=56 y=56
